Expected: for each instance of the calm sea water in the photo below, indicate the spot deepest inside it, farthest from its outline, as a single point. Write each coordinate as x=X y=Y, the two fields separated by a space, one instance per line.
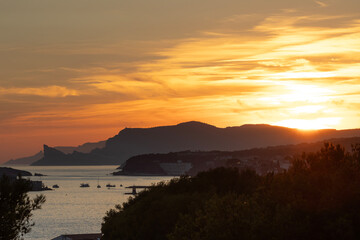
x=71 y=209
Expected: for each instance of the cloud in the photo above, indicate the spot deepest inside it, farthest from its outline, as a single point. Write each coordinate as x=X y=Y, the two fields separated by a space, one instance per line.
x=287 y=60
x=275 y=68
x=321 y=4
x=50 y=91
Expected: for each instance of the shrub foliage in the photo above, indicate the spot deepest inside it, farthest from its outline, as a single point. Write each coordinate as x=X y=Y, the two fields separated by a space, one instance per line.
x=317 y=198
x=16 y=208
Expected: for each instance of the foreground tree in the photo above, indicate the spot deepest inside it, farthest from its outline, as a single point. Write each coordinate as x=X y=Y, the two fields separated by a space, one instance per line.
x=317 y=198
x=153 y=213
x=16 y=208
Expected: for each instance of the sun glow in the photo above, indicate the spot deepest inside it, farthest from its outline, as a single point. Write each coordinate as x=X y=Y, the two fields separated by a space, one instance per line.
x=310 y=124
x=306 y=93
x=307 y=109
x=302 y=75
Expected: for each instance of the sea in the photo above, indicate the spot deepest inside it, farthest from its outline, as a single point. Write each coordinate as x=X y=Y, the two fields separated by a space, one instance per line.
x=71 y=209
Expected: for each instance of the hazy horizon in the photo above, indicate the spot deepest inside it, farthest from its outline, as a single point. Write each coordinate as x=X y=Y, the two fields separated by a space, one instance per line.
x=73 y=72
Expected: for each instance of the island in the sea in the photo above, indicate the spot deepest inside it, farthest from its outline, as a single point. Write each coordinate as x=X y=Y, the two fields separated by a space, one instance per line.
x=14 y=174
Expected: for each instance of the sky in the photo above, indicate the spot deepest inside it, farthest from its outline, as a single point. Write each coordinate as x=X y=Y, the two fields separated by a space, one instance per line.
x=76 y=71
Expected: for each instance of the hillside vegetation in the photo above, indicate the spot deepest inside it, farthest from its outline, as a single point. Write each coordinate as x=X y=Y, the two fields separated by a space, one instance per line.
x=317 y=198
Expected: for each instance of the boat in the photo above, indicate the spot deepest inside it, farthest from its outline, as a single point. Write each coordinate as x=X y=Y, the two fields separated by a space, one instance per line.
x=55 y=186
x=109 y=185
x=98 y=186
x=84 y=185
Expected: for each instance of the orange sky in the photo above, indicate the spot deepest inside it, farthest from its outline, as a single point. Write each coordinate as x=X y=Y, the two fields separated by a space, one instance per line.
x=79 y=71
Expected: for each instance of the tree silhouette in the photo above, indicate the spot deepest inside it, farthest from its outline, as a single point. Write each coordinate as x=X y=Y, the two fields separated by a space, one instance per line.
x=317 y=198
x=16 y=208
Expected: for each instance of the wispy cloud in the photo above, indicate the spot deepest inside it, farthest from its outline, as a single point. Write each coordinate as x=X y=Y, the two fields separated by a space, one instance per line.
x=282 y=61
x=50 y=91
x=321 y=3
x=276 y=69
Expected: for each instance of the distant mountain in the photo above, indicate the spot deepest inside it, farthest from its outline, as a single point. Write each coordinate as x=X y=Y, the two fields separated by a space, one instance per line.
x=262 y=160
x=54 y=157
x=193 y=136
x=84 y=148
x=25 y=160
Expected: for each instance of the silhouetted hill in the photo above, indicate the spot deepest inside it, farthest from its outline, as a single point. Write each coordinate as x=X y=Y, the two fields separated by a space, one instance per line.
x=25 y=160
x=84 y=148
x=54 y=157
x=263 y=160
x=193 y=136
x=11 y=172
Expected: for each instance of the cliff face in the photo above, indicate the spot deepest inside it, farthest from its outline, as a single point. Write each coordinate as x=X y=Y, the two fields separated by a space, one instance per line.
x=194 y=136
x=84 y=148
x=54 y=157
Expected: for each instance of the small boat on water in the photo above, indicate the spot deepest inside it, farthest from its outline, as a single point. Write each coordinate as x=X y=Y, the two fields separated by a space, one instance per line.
x=98 y=186
x=109 y=185
x=84 y=185
x=55 y=186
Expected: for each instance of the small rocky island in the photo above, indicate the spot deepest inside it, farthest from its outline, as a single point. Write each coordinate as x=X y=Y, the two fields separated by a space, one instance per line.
x=13 y=174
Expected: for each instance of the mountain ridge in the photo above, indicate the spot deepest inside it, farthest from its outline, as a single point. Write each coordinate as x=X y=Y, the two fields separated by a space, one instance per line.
x=193 y=136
